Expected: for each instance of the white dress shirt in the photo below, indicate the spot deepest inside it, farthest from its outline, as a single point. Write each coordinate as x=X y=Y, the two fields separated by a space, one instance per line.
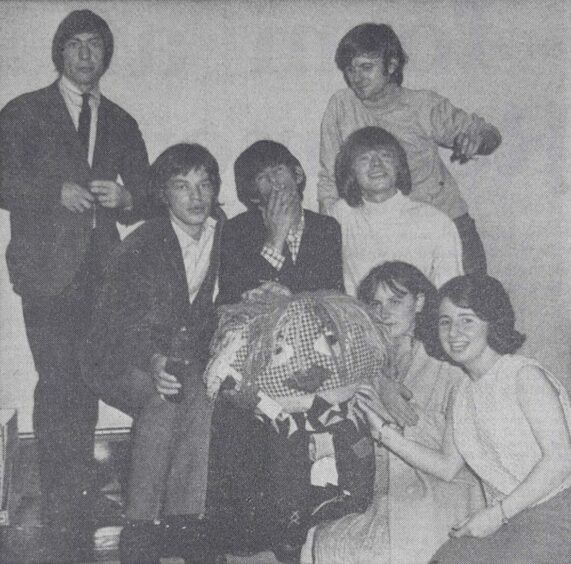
x=73 y=101
x=195 y=253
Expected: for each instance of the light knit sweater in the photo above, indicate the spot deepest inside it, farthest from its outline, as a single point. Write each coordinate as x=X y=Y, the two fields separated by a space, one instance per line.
x=397 y=229
x=421 y=120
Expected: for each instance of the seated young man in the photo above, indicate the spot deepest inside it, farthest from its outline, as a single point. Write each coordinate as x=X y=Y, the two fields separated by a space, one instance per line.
x=274 y=240
x=146 y=352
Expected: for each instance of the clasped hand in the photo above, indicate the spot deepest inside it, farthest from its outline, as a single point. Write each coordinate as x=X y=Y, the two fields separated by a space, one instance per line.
x=389 y=401
x=106 y=193
x=481 y=524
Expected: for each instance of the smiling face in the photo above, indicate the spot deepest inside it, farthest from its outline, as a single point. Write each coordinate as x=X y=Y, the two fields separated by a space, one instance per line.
x=397 y=311
x=189 y=198
x=464 y=336
x=376 y=172
x=83 y=60
x=368 y=78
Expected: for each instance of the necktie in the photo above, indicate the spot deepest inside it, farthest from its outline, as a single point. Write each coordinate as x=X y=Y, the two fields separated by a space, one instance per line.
x=84 y=123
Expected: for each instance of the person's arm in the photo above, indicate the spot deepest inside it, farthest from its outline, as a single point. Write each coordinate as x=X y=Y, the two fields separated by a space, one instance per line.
x=444 y=463
x=542 y=409
x=466 y=134
x=447 y=257
x=131 y=198
x=23 y=185
x=327 y=193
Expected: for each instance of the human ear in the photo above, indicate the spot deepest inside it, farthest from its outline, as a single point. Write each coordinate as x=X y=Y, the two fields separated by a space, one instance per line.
x=420 y=299
x=392 y=66
x=298 y=175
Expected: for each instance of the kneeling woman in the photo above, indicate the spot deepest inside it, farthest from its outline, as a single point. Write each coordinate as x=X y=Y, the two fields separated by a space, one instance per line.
x=510 y=422
x=411 y=512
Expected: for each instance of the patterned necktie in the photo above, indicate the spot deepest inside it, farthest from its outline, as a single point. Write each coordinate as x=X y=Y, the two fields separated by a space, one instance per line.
x=84 y=123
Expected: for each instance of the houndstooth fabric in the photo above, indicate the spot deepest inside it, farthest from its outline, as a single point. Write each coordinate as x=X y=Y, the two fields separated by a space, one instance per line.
x=306 y=342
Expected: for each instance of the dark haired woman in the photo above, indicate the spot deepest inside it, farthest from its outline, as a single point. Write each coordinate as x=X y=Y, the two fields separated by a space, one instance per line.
x=411 y=512
x=510 y=421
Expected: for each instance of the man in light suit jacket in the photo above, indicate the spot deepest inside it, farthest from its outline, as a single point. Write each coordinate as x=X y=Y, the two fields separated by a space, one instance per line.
x=153 y=320
x=62 y=151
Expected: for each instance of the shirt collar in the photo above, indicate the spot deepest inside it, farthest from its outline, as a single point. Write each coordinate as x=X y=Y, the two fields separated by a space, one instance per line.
x=185 y=240
x=298 y=232
x=74 y=93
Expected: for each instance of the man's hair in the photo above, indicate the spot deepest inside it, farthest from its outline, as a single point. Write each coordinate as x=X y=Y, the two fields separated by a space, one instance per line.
x=372 y=39
x=356 y=144
x=254 y=160
x=180 y=160
x=81 y=21
x=488 y=299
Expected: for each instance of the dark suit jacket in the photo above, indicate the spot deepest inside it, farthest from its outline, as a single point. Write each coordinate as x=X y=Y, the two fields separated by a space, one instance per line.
x=318 y=266
x=39 y=151
x=143 y=308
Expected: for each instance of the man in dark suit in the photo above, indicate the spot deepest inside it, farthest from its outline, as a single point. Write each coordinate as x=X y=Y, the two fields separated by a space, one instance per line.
x=147 y=349
x=62 y=149
x=275 y=240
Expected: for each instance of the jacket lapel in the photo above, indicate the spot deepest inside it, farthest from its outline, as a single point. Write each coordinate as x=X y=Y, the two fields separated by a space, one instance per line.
x=173 y=256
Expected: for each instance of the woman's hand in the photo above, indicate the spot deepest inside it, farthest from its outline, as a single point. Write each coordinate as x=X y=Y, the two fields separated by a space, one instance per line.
x=481 y=524
x=390 y=400
x=369 y=403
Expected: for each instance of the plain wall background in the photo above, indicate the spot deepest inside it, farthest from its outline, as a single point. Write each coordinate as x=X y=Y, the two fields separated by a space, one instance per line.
x=227 y=73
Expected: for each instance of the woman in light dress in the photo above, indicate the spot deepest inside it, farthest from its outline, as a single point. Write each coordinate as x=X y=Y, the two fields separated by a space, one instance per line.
x=510 y=422
x=412 y=511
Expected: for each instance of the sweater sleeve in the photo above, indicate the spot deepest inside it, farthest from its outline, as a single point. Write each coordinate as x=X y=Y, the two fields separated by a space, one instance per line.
x=331 y=141
x=447 y=260
x=448 y=121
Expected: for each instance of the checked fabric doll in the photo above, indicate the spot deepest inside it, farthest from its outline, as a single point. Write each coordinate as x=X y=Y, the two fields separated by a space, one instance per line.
x=297 y=361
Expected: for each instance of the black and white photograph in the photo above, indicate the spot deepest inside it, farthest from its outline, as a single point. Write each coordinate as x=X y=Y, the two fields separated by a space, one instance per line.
x=285 y=281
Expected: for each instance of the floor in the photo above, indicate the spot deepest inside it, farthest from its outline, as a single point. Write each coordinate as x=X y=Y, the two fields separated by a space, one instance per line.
x=26 y=541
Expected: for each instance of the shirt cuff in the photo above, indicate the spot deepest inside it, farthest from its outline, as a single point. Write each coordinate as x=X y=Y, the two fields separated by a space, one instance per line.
x=275 y=258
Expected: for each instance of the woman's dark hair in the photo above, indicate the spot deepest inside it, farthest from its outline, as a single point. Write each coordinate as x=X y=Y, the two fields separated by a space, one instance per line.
x=401 y=277
x=181 y=159
x=488 y=299
x=254 y=160
x=359 y=142
x=372 y=39
x=81 y=21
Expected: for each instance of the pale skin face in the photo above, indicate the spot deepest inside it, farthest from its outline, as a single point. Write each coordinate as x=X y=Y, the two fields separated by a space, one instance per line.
x=397 y=311
x=189 y=198
x=464 y=338
x=368 y=78
x=376 y=174
x=83 y=60
x=280 y=203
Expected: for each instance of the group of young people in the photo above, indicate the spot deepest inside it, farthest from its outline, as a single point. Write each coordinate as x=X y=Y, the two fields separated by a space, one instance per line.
x=130 y=322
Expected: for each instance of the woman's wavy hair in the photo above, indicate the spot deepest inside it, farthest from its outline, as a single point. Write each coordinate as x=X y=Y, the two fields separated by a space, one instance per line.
x=402 y=278
x=372 y=39
x=181 y=159
x=359 y=142
x=488 y=299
